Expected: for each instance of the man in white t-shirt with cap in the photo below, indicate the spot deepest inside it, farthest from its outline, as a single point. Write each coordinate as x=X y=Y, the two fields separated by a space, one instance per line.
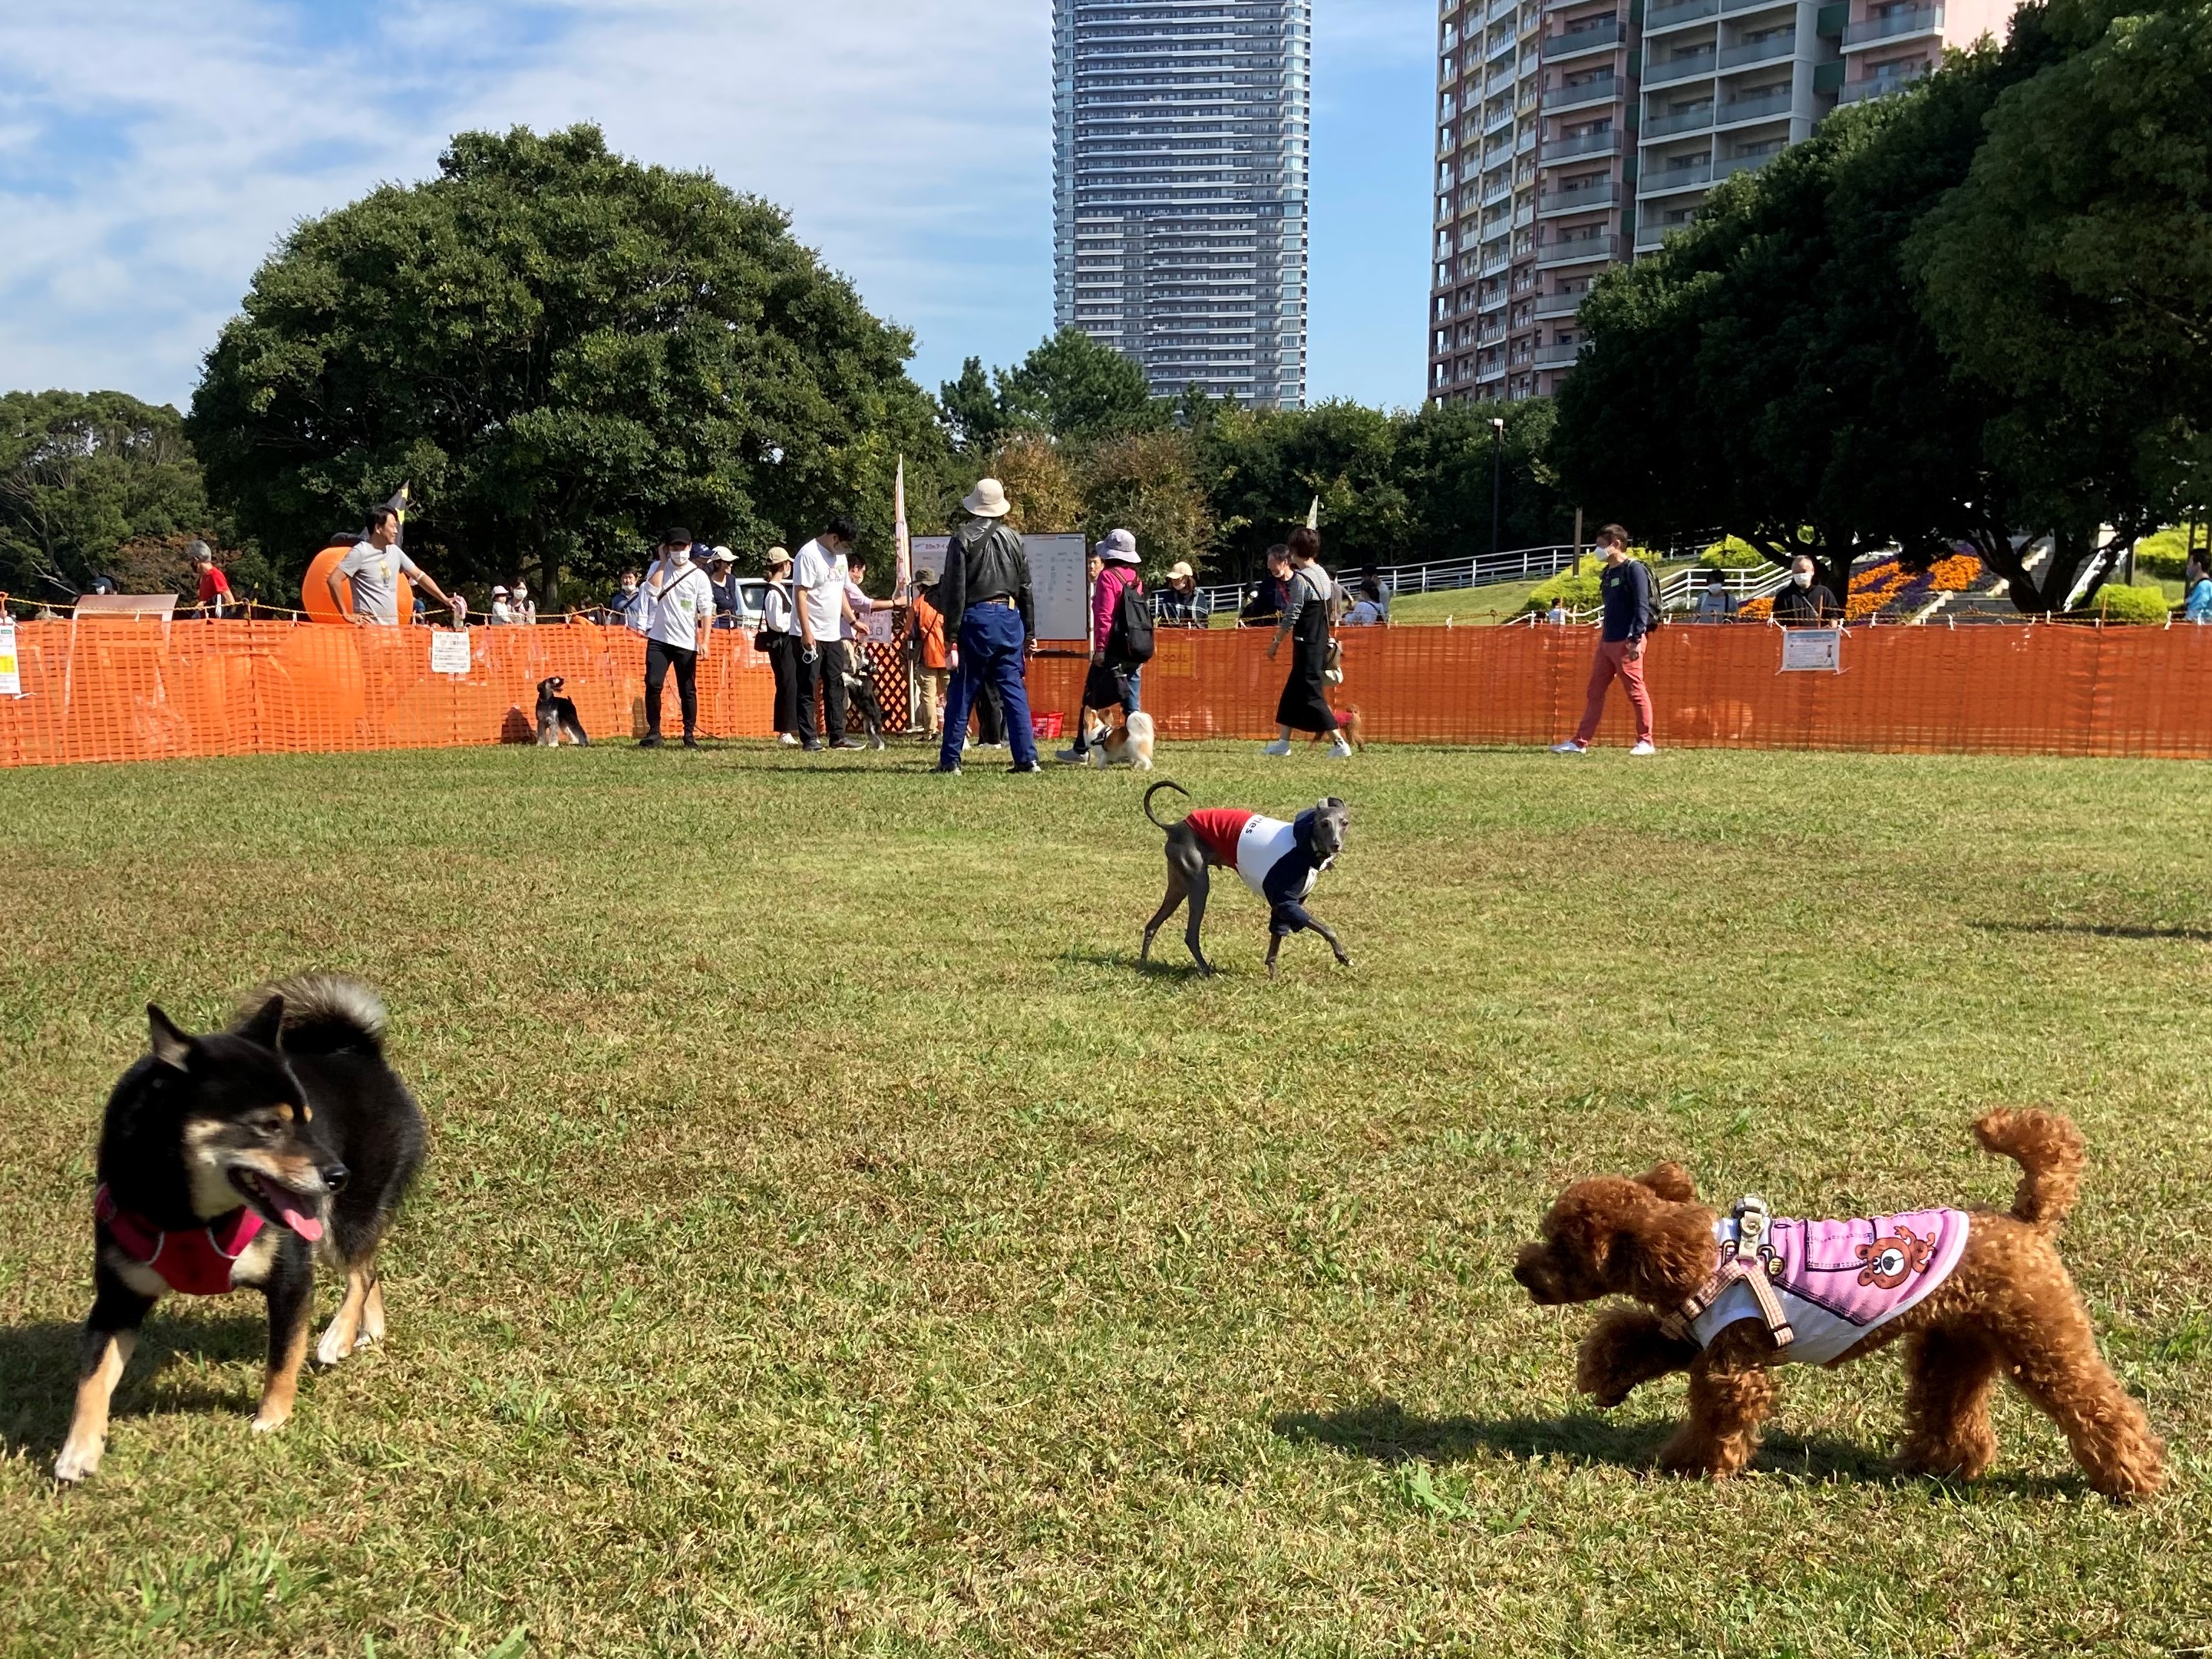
x=372 y=571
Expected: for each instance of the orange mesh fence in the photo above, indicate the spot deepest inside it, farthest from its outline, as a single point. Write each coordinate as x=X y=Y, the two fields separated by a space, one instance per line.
x=130 y=689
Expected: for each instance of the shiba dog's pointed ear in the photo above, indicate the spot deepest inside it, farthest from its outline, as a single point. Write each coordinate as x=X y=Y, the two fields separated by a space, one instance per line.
x=170 y=1046
x=264 y=1024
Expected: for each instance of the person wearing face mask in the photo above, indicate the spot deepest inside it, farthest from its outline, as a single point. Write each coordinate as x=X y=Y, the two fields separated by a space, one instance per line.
x=1804 y=601
x=621 y=609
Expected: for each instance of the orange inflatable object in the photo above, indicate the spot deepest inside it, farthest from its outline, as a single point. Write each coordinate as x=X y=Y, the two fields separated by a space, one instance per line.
x=315 y=588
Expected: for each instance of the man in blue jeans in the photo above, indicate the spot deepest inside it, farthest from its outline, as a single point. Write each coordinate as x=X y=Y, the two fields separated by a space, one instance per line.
x=991 y=618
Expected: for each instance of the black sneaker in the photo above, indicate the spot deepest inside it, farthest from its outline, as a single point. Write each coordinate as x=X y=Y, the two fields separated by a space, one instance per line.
x=810 y=748
x=848 y=743
x=648 y=742
x=690 y=743
x=946 y=771
x=1018 y=769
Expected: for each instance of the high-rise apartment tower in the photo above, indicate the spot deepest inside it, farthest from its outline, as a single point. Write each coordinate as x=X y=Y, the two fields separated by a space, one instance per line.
x=1180 y=135
x=1573 y=134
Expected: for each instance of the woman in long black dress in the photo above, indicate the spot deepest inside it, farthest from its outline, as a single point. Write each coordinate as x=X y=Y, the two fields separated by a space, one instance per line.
x=1305 y=623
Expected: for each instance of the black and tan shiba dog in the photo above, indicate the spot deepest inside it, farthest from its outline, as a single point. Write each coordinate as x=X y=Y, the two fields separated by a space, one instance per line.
x=229 y=1162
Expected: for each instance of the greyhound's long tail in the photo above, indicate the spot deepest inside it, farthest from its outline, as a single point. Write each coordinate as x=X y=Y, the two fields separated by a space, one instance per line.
x=2050 y=1154
x=1164 y=783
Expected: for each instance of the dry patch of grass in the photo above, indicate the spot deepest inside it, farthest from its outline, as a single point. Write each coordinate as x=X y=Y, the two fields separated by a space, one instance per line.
x=833 y=1243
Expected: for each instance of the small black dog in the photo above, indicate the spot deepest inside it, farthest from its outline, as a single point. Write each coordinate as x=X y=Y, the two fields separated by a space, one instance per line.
x=1279 y=861
x=226 y=1162
x=860 y=692
x=556 y=716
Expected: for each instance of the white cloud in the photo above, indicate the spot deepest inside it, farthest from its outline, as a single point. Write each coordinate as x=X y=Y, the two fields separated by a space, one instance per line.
x=152 y=154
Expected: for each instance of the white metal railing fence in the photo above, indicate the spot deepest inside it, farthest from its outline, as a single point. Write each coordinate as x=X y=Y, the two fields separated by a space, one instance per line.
x=1437 y=575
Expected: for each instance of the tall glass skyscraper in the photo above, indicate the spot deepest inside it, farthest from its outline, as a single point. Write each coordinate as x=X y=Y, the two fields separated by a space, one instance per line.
x=1181 y=133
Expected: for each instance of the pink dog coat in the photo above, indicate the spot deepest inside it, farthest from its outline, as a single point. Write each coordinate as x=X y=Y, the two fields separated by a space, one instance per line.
x=1836 y=1280
x=198 y=1262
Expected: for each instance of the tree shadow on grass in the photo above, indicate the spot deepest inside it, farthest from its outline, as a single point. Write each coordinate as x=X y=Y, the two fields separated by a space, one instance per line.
x=38 y=1375
x=2100 y=930
x=1384 y=1431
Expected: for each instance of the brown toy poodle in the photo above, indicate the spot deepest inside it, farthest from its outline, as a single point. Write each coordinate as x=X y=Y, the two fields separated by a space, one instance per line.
x=1974 y=1295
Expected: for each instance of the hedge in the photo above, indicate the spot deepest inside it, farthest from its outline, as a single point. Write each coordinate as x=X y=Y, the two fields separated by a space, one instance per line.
x=2137 y=605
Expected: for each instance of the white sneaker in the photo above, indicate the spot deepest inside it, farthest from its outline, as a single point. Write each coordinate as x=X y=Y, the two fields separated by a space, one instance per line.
x=1570 y=747
x=1340 y=750
x=1645 y=748
x=1281 y=748
x=787 y=740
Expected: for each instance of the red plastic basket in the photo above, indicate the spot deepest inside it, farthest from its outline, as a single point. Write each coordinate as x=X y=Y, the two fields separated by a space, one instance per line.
x=1048 y=725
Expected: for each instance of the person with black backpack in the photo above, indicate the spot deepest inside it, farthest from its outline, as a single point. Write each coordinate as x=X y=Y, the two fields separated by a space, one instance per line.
x=1120 y=640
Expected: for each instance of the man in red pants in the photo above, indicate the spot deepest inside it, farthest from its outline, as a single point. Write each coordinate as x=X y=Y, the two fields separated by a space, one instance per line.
x=1625 y=586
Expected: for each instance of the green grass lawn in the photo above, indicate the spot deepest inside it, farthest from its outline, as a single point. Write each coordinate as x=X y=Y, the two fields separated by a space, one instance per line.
x=833 y=1243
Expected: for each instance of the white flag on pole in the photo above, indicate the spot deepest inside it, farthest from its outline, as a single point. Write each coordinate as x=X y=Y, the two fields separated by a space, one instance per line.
x=1313 y=514
x=898 y=533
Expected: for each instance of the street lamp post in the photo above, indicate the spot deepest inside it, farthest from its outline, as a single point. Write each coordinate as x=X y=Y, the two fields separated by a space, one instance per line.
x=1497 y=476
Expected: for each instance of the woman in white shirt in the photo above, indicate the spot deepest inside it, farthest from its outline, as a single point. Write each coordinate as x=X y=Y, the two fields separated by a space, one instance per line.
x=778 y=639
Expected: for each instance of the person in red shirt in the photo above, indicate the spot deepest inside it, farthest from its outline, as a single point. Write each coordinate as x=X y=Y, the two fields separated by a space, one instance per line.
x=215 y=587
x=1113 y=679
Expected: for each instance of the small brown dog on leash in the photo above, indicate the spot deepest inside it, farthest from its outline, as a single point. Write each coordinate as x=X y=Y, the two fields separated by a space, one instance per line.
x=1976 y=1296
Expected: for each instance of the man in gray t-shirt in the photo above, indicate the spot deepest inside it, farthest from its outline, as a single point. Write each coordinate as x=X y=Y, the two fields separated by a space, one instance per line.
x=373 y=570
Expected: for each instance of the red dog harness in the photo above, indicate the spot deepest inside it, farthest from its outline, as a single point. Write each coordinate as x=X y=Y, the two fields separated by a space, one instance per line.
x=198 y=1262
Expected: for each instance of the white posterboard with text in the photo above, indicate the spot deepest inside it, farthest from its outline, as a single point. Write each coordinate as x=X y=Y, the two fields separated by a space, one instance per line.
x=11 y=676
x=1056 y=581
x=449 y=651
x=1813 y=651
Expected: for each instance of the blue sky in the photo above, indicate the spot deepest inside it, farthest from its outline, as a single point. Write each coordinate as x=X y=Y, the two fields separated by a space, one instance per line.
x=153 y=153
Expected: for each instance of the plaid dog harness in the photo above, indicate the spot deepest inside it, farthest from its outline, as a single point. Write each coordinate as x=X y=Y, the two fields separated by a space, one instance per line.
x=198 y=1261
x=1820 y=1286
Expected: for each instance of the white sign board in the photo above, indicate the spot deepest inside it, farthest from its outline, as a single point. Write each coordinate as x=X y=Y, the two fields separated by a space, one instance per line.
x=929 y=555
x=449 y=651
x=880 y=622
x=1063 y=597
x=11 y=678
x=1813 y=651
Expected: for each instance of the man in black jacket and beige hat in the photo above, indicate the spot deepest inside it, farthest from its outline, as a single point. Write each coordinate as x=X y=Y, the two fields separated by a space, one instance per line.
x=990 y=618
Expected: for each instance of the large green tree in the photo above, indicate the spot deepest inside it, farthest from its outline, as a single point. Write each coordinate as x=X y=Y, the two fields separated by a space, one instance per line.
x=561 y=349
x=2071 y=271
x=1070 y=388
x=81 y=475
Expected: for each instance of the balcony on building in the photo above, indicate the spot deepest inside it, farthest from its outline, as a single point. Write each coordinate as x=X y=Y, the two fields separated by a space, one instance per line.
x=1664 y=175
x=1555 y=305
x=1596 y=244
x=1602 y=35
x=1697 y=118
x=1894 y=22
x=1578 y=196
x=1886 y=78
x=1560 y=354
x=1607 y=142
x=1588 y=89
x=1678 y=66
x=1772 y=45
x=1680 y=14
x=1749 y=158
x=1765 y=103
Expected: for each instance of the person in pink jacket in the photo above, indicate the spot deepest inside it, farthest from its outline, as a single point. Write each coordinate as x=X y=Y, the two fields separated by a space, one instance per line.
x=1113 y=679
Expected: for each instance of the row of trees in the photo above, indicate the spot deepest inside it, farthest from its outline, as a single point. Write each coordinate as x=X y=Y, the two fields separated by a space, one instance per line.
x=1965 y=314
x=1081 y=444
x=563 y=350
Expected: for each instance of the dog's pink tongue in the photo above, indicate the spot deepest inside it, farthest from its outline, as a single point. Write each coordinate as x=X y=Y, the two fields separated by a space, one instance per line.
x=309 y=1227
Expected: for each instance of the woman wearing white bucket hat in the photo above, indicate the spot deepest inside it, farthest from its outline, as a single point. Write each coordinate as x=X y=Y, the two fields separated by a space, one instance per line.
x=984 y=594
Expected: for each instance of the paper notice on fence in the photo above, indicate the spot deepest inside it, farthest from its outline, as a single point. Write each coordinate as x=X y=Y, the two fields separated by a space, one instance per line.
x=1813 y=651
x=11 y=678
x=882 y=622
x=449 y=651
